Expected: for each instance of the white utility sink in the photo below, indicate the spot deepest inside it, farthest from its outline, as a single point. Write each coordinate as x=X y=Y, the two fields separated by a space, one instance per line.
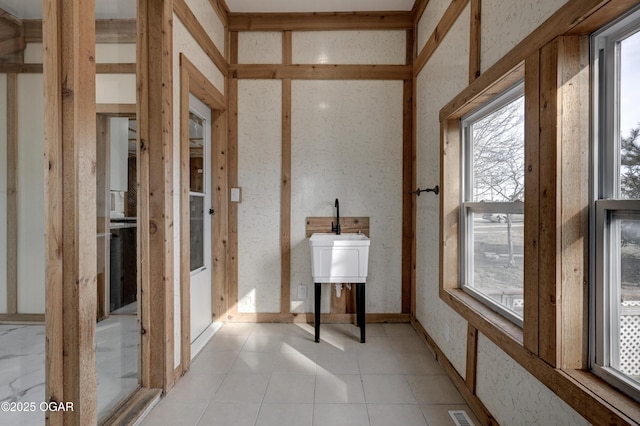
x=340 y=258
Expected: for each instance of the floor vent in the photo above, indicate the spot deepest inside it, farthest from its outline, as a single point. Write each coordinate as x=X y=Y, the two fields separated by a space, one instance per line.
x=460 y=418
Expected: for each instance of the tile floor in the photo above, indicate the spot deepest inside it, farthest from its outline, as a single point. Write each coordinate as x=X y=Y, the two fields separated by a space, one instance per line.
x=275 y=374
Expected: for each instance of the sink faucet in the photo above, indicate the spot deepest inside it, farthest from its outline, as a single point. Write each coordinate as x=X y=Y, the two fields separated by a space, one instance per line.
x=336 y=229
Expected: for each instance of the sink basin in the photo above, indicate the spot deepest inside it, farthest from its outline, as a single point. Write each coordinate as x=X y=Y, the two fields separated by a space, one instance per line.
x=340 y=258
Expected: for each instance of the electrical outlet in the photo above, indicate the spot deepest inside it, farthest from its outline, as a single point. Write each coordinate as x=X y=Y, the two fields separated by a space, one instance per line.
x=302 y=292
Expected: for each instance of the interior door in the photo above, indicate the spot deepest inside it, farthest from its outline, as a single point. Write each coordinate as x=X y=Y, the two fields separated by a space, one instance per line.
x=200 y=212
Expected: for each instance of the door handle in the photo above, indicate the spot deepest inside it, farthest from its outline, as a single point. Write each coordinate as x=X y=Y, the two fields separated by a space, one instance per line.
x=211 y=211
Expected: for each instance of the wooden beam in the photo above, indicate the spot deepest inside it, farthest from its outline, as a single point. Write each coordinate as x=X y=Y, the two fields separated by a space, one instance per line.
x=285 y=187
x=70 y=217
x=13 y=215
x=22 y=319
x=475 y=40
x=200 y=35
x=13 y=68
x=347 y=225
x=573 y=129
x=444 y=25
x=222 y=10
x=472 y=358
x=550 y=203
x=117 y=110
x=320 y=21
x=321 y=72
x=185 y=224
x=201 y=87
x=11 y=45
x=531 y=207
x=116 y=68
x=418 y=10
x=232 y=253
x=408 y=230
x=155 y=197
x=220 y=196
x=107 y=30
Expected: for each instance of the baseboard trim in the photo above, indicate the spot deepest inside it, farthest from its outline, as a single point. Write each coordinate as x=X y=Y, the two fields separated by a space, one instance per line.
x=324 y=318
x=30 y=319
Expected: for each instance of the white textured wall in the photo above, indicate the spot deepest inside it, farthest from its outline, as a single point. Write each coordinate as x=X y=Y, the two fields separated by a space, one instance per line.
x=33 y=53
x=258 y=47
x=505 y=23
x=514 y=396
x=429 y=20
x=349 y=47
x=115 y=53
x=31 y=206
x=443 y=77
x=115 y=88
x=3 y=193
x=347 y=144
x=209 y=20
x=259 y=171
x=183 y=42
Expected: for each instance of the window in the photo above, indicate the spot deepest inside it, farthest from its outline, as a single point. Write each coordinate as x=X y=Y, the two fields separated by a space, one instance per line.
x=492 y=222
x=615 y=254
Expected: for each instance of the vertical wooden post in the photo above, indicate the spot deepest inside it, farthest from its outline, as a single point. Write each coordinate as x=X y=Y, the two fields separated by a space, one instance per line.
x=155 y=195
x=70 y=138
x=475 y=40
x=233 y=179
x=531 y=206
x=285 y=190
x=472 y=358
x=408 y=182
x=12 y=194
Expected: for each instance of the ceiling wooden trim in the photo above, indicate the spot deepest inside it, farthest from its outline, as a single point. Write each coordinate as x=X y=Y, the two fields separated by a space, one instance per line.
x=320 y=21
x=107 y=30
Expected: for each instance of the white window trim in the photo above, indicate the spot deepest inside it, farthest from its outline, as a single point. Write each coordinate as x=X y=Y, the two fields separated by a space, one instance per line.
x=605 y=172
x=467 y=208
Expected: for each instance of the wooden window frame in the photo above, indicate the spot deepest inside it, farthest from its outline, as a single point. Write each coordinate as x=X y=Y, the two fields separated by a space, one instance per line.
x=552 y=346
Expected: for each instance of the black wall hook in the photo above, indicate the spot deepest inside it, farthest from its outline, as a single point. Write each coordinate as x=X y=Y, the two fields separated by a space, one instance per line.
x=435 y=190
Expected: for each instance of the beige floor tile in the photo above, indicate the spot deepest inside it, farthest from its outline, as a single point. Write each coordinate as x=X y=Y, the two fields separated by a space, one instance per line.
x=237 y=329
x=171 y=413
x=230 y=413
x=408 y=344
x=291 y=388
x=254 y=362
x=378 y=363
x=299 y=343
x=434 y=389
x=242 y=387
x=278 y=414
x=337 y=363
x=213 y=362
x=295 y=363
x=387 y=389
x=419 y=364
x=196 y=387
x=438 y=415
x=375 y=344
x=339 y=389
x=225 y=343
x=260 y=343
x=340 y=415
x=395 y=414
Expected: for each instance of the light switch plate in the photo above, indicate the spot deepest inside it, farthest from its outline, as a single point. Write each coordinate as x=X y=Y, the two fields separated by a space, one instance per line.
x=235 y=195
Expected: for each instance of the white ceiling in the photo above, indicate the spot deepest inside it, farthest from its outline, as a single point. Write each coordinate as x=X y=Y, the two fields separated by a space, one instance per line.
x=32 y=9
x=258 y=6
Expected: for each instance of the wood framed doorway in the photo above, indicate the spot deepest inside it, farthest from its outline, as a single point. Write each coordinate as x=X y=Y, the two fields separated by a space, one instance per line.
x=193 y=82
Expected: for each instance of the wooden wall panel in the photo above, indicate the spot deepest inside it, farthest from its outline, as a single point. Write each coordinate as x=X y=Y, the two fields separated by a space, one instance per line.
x=155 y=196
x=475 y=40
x=321 y=72
x=285 y=189
x=320 y=21
x=232 y=253
x=70 y=219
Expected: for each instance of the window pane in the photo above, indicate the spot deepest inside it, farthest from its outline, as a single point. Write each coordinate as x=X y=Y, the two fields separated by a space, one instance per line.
x=627 y=327
x=498 y=154
x=498 y=267
x=630 y=117
x=196 y=208
x=196 y=153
